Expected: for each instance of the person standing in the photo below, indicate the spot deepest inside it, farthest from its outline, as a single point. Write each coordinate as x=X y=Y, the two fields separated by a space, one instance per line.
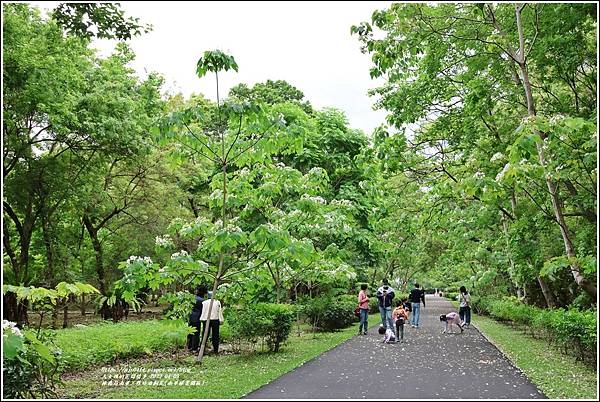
x=363 y=305
x=465 y=306
x=193 y=340
x=415 y=298
x=400 y=315
x=385 y=294
x=214 y=321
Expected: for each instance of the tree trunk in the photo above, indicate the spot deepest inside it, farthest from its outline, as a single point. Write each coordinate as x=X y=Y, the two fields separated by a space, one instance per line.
x=14 y=310
x=583 y=282
x=93 y=232
x=47 y=236
x=547 y=292
x=66 y=313
x=82 y=305
x=55 y=316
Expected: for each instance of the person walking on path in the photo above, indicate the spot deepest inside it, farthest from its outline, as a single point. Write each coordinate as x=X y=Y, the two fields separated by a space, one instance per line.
x=415 y=298
x=385 y=294
x=465 y=306
x=400 y=316
x=193 y=340
x=363 y=305
x=214 y=321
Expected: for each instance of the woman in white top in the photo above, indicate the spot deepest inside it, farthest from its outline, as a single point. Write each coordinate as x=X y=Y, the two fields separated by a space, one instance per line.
x=465 y=306
x=214 y=322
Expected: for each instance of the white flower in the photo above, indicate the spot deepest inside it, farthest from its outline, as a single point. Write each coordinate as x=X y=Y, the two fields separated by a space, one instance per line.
x=500 y=175
x=163 y=241
x=497 y=156
x=179 y=255
x=343 y=203
x=479 y=175
x=217 y=194
x=316 y=171
x=317 y=199
x=11 y=326
x=245 y=171
x=557 y=118
x=280 y=165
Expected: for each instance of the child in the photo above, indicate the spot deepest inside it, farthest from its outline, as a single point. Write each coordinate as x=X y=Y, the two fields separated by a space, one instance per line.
x=388 y=334
x=450 y=319
x=400 y=315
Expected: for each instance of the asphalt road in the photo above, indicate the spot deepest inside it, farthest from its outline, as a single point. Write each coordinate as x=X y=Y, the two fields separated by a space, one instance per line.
x=428 y=365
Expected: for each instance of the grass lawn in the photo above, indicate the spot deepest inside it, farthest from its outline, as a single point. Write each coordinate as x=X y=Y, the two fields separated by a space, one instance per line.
x=558 y=376
x=223 y=376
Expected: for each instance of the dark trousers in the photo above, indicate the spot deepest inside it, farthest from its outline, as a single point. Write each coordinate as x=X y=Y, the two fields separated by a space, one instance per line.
x=213 y=330
x=465 y=315
x=399 y=329
x=193 y=340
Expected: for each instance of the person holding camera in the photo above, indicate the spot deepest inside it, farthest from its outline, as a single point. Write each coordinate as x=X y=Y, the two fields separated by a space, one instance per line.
x=385 y=295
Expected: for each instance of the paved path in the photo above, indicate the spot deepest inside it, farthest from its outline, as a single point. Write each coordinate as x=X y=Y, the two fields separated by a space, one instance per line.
x=429 y=365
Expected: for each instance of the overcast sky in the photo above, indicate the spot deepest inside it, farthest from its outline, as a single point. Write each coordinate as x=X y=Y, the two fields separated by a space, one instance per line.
x=307 y=44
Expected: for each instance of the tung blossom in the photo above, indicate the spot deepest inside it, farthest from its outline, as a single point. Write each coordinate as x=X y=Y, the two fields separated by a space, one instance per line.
x=10 y=326
x=497 y=156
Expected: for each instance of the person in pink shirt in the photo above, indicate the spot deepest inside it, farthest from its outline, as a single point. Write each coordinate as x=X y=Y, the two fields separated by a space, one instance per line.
x=450 y=319
x=363 y=305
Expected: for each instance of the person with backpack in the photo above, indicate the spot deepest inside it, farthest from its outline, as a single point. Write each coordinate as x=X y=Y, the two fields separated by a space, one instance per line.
x=465 y=306
x=386 y=295
x=415 y=298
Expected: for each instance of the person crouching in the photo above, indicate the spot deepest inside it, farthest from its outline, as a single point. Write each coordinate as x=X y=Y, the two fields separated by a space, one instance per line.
x=388 y=334
x=451 y=319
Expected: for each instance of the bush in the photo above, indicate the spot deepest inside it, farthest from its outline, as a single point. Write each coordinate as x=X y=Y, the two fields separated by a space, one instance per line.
x=267 y=321
x=570 y=328
x=330 y=314
x=512 y=309
x=30 y=364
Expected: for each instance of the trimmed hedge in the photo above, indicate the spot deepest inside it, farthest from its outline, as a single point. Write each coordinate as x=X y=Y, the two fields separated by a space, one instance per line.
x=571 y=329
x=331 y=314
x=263 y=321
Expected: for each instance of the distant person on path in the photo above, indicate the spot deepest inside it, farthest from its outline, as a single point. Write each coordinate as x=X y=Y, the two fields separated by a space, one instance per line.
x=363 y=305
x=214 y=322
x=450 y=319
x=465 y=306
x=193 y=340
x=415 y=298
x=400 y=316
x=385 y=294
x=388 y=334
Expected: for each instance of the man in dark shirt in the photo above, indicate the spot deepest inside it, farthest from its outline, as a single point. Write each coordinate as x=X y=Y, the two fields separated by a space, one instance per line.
x=416 y=296
x=193 y=340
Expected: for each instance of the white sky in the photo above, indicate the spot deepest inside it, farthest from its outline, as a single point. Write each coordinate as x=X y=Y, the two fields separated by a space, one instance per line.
x=307 y=44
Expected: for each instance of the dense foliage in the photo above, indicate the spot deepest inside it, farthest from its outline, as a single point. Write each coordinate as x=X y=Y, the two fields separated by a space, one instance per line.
x=483 y=175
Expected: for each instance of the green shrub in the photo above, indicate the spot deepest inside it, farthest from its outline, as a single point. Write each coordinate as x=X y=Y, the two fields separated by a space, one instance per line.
x=30 y=364
x=452 y=296
x=512 y=309
x=330 y=314
x=267 y=321
x=571 y=329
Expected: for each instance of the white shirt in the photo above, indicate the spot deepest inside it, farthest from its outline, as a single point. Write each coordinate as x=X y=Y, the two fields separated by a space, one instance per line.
x=464 y=299
x=215 y=314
